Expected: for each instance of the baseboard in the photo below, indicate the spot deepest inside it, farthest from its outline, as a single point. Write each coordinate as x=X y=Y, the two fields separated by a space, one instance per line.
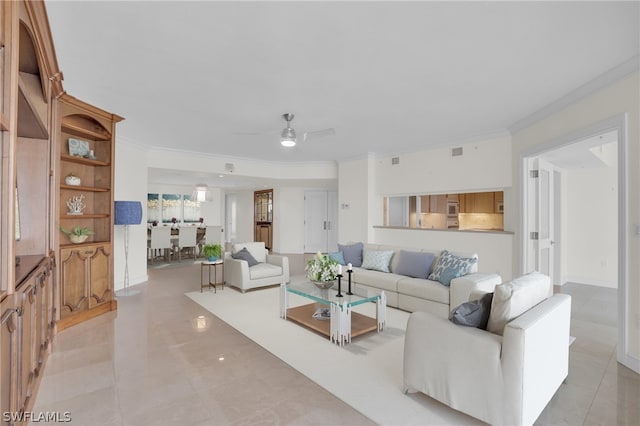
x=590 y=281
x=86 y=315
x=630 y=362
x=119 y=285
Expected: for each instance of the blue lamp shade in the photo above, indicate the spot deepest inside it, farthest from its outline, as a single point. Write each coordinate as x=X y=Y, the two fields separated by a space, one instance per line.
x=128 y=213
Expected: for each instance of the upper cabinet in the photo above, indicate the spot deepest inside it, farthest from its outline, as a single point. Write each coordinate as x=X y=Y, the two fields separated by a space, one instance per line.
x=477 y=202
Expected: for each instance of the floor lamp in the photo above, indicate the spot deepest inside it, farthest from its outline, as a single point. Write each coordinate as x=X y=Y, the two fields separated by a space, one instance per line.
x=127 y=213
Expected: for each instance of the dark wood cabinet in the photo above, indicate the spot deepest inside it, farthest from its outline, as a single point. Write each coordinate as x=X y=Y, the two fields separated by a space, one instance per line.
x=263 y=217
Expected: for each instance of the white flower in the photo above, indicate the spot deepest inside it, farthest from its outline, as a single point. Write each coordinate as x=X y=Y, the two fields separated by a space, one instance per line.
x=322 y=268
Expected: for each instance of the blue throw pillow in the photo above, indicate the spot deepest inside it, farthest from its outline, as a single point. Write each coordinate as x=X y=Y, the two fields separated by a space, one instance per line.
x=245 y=255
x=338 y=257
x=414 y=264
x=352 y=253
x=458 y=266
x=474 y=313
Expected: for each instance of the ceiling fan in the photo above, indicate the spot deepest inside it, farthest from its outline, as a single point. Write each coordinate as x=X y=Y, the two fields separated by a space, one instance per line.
x=288 y=136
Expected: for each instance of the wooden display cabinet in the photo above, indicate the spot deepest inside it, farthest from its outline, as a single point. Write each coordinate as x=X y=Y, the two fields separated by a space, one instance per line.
x=263 y=217
x=86 y=269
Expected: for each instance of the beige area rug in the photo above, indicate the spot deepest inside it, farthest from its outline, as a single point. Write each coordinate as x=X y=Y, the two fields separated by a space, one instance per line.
x=366 y=374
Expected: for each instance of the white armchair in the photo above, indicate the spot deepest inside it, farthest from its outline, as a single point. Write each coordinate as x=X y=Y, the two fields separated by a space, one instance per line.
x=502 y=380
x=272 y=269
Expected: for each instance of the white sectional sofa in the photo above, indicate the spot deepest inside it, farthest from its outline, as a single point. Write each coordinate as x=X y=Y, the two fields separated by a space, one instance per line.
x=419 y=294
x=517 y=365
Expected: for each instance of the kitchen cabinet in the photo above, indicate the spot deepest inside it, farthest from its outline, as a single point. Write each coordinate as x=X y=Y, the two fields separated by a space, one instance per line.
x=433 y=204
x=477 y=202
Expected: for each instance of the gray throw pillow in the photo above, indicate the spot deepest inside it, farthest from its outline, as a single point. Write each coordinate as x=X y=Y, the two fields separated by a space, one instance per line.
x=414 y=264
x=245 y=255
x=474 y=313
x=352 y=254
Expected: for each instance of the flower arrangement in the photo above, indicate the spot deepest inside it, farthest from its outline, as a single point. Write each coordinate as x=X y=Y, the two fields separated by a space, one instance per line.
x=201 y=220
x=322 y=268
x=174 y=220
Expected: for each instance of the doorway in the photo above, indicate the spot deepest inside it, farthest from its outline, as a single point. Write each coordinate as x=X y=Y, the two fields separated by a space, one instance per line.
x=601 y=144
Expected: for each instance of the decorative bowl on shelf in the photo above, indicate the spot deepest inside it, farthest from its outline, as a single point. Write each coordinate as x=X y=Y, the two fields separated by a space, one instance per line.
x=72 y=180
x=323 y=285
x=77 y=239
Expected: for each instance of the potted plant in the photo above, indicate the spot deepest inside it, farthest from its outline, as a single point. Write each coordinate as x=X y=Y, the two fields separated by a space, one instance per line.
x=78 y=234
x=212 y=251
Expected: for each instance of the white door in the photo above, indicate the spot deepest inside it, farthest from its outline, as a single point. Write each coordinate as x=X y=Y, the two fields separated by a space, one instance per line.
x=332 y=218
x=320 y=221
x=231 y=205
x=315 y=221
x=543 y=231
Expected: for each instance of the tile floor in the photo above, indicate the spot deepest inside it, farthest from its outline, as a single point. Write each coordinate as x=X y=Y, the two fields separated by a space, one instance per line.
x=147 y=364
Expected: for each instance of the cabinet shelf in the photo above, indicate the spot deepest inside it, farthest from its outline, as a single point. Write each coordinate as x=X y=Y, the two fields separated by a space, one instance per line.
x=85 y=244
x=82 y=160
x=84 y=188
x=84 y=216
x=82 y=132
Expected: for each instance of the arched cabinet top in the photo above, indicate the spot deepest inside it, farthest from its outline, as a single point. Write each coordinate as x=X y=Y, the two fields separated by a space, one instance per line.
x=85 y=126
x=85 y=120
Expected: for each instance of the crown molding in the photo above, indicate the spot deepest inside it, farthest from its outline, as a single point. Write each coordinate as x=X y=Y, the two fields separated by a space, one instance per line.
x=613 y=75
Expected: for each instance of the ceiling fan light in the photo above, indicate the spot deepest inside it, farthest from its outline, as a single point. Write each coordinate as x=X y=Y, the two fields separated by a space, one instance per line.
x=288 y=142
x=288 y=137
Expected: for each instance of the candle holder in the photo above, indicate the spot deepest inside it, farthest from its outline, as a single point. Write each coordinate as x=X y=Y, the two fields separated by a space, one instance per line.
x=349 y=271
x=339 y=286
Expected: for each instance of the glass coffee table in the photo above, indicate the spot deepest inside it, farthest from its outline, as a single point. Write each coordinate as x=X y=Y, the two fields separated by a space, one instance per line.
x=330 y=315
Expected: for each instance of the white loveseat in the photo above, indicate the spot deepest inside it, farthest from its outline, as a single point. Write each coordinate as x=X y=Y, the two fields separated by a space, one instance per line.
x=501 y=379
x=271 y=269
x=419 y=294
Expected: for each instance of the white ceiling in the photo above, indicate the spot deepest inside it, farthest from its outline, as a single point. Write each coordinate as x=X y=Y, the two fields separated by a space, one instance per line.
x=389 y=77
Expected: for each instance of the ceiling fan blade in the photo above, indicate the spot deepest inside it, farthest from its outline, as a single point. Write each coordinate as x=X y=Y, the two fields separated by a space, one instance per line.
x=318 y=133
x=252 y=133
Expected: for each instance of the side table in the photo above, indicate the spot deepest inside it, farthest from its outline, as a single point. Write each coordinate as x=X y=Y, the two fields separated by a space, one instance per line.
x=209 y=283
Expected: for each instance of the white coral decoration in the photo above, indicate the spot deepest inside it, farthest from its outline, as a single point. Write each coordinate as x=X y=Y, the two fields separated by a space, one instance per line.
x=322 y=268
x=76 y=204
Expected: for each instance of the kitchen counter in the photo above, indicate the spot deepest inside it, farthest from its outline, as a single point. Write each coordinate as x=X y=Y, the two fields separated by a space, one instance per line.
x=475 y=230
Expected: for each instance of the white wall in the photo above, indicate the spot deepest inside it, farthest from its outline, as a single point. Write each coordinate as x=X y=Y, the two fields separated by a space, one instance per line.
x=490 y=247
x=289 y=220
x=130 y=185
x=618 y=97
x=363 y=183
x=353 y=190
x=591 y=237
x=484 y=165
x=244 y=218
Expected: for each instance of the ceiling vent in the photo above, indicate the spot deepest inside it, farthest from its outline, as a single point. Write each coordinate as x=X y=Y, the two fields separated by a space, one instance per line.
x=456 y=152
x=229 y=167
x=395 y=161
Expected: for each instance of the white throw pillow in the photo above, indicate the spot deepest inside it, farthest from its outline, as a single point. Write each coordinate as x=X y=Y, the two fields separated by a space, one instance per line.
x=515 y=297
x=378 y=260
